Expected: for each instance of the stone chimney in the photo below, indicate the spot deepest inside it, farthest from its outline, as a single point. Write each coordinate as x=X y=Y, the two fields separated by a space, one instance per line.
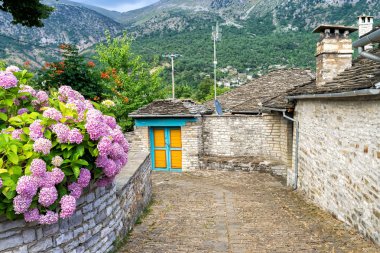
x=365 y=26
x=334 y=51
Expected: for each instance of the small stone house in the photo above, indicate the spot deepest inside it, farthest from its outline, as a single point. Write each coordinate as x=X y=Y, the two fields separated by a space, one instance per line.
x=170 y=130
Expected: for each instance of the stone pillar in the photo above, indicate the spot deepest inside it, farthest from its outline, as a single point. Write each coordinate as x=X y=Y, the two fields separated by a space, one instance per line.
x=365 y=26
x=334 y=52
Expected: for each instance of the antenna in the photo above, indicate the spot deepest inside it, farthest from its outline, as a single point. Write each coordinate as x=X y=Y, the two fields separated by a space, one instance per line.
x=216 y=36
x=172 y=56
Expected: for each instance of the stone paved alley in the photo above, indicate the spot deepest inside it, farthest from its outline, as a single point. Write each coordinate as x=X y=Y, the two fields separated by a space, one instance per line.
x=236 y=212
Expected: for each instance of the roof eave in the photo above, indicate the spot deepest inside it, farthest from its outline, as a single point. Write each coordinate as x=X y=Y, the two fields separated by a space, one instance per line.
x=164 y=116
x=355 y=93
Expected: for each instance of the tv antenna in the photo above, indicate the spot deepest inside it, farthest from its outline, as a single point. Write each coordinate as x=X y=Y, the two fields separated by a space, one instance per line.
x=172 y=56
x=216 y=36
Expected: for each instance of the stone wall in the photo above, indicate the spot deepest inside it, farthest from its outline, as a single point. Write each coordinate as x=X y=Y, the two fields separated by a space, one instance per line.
x=103 y=215
x=191 y=145
x=266 y=136
x=139 y=139
x=339 y=160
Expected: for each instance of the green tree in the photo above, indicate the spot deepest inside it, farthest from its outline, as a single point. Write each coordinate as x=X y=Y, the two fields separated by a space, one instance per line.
x=133 y=82
x=27 y=12
x=74 y=71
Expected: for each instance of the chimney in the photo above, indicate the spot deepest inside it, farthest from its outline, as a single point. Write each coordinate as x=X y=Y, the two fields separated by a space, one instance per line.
x=365 y=26
x=334 y=51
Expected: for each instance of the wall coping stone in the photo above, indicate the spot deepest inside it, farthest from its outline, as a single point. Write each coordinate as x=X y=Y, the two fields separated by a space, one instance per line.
x=135 y=161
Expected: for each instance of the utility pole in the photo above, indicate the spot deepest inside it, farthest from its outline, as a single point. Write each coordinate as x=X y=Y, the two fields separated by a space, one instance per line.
x=172 y=56
x=216 y=36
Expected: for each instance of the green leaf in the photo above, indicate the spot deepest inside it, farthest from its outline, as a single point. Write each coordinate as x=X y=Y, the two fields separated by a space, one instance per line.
x=3 y=116
x=1 y=162
x=48 y=134
x=13 y=157
x=82 y=162
x=76 y=171
x=14 y=149
x=2 y=171
x=26 y=130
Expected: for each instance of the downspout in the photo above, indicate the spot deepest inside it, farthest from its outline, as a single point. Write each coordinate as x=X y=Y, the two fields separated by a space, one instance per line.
x=296 y=122
x=365 y=40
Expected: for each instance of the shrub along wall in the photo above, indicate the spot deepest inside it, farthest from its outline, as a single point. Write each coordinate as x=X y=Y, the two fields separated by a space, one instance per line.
x=103 y=215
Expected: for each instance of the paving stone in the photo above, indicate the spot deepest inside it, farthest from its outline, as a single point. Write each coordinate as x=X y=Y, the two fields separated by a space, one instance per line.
x=215 y=211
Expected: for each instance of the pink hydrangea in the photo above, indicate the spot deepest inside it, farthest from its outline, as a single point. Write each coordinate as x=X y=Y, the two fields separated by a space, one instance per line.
x=110 y=170
x=1 y=182
x=116 y=151
x=104 y=146
x=21 y=204
x=27 y=186
x=36 y=130
x=95 y=129
x=32 y=215
x=7 y=80
x=12 y=68
x=110 y=121
x=57 y=175
x=16 y=102
x=22 y=111
x=49 y=218
x=84 y=177
x=75 y=190
x=66 y=92
x=42 y=96
x=47 y=180
x=42 y=145
x=27 y=89
x=52 y=113
x=17 y=133
x=47 y=196
x=68 y=206
x=104 y=182
x=62 y=131
x=57 y=161
x=38 y=167
x=75 y=136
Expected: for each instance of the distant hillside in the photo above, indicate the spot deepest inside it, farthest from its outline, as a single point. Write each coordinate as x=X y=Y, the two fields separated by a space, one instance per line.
x=68 y=24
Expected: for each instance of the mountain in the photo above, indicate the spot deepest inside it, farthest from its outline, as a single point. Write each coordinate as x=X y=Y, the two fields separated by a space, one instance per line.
x=69 y=23
x=257 y=35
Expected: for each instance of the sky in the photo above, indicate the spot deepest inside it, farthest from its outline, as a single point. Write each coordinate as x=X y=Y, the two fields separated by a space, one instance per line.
x=118 y=5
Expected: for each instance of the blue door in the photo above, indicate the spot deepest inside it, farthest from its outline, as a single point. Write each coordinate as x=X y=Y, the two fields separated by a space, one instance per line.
x=166 y=148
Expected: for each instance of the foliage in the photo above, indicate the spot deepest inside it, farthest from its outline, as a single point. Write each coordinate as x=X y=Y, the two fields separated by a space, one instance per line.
x=52 y=146
x=206 y=92
x=133 y=83
x=27 y=12
x=73 y=70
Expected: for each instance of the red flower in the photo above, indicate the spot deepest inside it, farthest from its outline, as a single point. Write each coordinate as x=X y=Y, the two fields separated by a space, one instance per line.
x=91 y=64
x=58 y=72
x=26 y=64
x=104 y=75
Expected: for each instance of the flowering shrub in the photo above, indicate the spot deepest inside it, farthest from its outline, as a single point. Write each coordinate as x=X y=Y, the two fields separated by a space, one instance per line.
x=52 y=146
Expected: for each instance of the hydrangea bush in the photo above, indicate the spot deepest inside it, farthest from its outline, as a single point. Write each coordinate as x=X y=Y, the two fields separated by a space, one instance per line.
x=52 y=146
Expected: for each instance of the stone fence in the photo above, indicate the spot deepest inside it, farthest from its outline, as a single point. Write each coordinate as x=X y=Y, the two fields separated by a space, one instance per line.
x=103 y=215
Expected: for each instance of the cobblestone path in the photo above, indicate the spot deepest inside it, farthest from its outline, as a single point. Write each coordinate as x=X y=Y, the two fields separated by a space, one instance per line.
x=236 y=212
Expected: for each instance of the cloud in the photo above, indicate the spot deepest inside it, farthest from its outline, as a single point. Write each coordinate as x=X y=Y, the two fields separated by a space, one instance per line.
x=118 y=5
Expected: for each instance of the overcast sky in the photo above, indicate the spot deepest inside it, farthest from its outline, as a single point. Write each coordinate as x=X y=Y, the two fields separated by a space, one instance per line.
x=118 y=5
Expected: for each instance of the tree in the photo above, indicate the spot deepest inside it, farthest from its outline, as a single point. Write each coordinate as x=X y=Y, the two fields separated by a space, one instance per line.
x=74 y=71
x=27 y=12
x=133 y=82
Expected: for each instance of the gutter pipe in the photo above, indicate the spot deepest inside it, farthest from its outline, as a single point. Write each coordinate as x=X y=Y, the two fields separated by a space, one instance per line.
x=296 y=122
x=364 y=92
x=365 y=40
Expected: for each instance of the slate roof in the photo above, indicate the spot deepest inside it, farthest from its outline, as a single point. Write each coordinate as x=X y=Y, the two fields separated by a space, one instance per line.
x=169 y=107
x=363 y=74
x=246 y=98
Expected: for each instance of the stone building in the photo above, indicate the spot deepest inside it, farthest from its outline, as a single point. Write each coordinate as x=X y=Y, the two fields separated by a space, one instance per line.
x=336 y=158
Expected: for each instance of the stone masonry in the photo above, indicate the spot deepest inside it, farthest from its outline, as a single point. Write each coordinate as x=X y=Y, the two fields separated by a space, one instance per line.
x=103 y=215
x=191 y=145
x=264 y=136
x=339 y=160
